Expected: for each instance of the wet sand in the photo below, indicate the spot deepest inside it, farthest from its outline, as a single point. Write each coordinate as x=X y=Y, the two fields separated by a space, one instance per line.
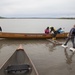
x=47 y=58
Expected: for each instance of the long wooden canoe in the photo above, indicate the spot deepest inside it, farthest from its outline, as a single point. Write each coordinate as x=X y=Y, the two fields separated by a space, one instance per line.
x=18 y=64
x=30 y=35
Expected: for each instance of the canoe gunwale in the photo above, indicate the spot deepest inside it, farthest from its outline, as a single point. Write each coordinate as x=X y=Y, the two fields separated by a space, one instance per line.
x=6 y=60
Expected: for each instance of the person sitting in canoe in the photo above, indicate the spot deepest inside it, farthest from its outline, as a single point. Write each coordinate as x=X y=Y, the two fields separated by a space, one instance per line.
x=47 y=30
x=55 y=32
x=60 y=30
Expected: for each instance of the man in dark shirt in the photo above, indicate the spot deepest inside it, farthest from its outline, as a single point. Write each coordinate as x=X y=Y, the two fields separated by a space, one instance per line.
x=71 y=36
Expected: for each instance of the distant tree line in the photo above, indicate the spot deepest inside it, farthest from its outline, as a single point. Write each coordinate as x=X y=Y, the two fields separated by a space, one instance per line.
x=1 y=17
x=36 y=18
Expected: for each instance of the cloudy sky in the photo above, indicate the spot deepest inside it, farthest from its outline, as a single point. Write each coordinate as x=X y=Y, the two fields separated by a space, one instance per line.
x=37 y=8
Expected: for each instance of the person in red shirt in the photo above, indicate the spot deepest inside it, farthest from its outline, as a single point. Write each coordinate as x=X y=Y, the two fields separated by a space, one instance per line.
x=47 y=30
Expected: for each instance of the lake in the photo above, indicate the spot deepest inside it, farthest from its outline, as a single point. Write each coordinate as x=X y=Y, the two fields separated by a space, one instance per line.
x=47 y=58
x=34 y=25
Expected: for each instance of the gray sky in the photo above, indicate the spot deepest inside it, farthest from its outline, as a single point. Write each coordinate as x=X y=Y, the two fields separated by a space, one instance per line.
x=37 y=8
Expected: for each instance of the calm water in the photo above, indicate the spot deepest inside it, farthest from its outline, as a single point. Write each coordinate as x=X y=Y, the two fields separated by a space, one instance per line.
x=34 y=25
x=47 y=58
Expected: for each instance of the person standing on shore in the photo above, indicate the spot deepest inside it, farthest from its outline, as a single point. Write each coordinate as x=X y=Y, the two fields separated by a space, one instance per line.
x=71 y=36
x=0 y=29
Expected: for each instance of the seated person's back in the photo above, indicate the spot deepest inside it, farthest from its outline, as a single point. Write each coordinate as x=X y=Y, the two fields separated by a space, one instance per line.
x=47 y=30
x=60 y=30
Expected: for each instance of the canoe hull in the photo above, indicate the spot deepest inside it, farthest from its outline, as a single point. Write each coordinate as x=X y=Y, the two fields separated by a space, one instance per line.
x=19 y=57
x=30 y=36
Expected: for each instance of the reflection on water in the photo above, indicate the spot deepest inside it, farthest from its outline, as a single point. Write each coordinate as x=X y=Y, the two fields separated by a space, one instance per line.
x=51 y=47
x=0 y=47
x=69 y=60
x=68 y=57
x=49 y=59
x=1 y=43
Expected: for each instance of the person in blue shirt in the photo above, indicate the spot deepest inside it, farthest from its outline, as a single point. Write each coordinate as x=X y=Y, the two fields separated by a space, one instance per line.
x=60 y=31
x=71 y=36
